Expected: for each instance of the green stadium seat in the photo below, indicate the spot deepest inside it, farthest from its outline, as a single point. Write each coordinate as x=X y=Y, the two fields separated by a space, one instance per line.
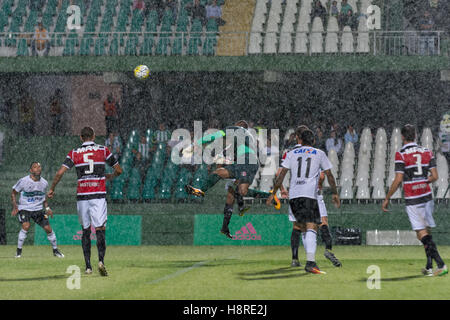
x=165 y=190
x=100 y=46
x=117 y=190
x=134 y=185
x=71 y=43
x=31 y=21
x=211 y=26
x=86 y=43
x=147 y=46
x=184 y=178
x=209 y=46
x=136 y=21
x=114 y=46
x=22 y=48
x=132 y=44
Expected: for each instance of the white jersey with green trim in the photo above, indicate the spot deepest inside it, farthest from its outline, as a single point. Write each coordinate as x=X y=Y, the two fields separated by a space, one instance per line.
x=32 y=193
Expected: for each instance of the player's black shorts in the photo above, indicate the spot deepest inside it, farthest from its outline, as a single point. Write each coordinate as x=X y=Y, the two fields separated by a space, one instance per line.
x=245 y=173
x=305 y=210
x=39 y=217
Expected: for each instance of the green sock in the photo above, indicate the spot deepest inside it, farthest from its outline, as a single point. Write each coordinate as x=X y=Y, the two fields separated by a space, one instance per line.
x=257 y=193
x=211 y=181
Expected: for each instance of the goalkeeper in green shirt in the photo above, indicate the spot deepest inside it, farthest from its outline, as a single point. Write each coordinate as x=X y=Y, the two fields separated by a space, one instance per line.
x=243 y=168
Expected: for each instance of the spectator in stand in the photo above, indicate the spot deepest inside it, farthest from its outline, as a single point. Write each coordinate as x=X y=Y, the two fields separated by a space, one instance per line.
x=162 y=134
x=197 y=11
x=213 y=11
x=319 y=10
x=350 y=20
x=426 y=38
x=172 y=5
x=334 y=11
x=113 y=144
x=351 y=136
x=320 y=139
x=142 y=155
x=111 y=118
x=139 y=5
x=40 y=40
x=334 y=143
x=56 y=112
x=26 y=115
x=343 y=15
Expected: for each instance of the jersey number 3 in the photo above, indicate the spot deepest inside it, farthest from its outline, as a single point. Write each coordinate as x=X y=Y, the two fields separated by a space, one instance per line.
x=89 y=161
x=419 y=164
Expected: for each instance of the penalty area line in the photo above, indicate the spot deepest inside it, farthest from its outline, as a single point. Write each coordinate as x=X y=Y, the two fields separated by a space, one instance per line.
x=178 y=273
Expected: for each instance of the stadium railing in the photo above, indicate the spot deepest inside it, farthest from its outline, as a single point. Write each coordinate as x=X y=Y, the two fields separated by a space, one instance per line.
x=392 y=43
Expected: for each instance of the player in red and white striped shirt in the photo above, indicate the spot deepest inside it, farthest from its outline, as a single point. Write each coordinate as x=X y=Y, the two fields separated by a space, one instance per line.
x=89 y=161
x=415 y=166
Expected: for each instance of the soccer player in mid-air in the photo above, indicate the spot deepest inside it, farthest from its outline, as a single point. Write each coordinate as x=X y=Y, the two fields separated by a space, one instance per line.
x=89 y=161
x=323 y=227
x=305 y=164
x=32 y=202
x=243 y=169
x=415 y=166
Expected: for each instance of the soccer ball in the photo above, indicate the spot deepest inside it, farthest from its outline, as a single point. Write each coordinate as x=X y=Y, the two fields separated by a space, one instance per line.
x=141 y=72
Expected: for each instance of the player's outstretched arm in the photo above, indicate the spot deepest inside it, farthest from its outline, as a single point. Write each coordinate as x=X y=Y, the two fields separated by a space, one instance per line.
x=14 y=203
x=59 y=174
x=394 y=186
x=332 y=183
x=117 y=172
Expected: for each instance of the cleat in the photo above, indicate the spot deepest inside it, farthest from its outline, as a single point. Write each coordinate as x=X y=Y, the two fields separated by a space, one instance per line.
x=18 y=253
x=295 y=263
x=313 y=268
x=102 y=269
x=440 y=271
x=276 y=202
x=57 y=253
x=88 y=271
x=243 y=210
x=427 y=272
x=226 y=233
x=330 y=256
x=194 y=191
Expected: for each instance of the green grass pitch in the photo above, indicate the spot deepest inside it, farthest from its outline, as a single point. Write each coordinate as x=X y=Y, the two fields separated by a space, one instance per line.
x=219 y=272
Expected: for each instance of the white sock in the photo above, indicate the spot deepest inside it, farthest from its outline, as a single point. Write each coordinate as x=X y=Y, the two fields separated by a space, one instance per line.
x=304 y=240
x=311 y=245
x=22 y=237
x=52 y=238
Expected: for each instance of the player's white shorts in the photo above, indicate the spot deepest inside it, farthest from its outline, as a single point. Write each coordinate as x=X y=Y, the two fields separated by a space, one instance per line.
x=92 y=211
x=322 y=209
x=421 y=215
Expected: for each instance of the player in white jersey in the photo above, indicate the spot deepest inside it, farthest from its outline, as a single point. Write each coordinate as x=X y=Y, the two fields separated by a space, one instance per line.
x=32 y=189
x=305 y=164
x=324 y=228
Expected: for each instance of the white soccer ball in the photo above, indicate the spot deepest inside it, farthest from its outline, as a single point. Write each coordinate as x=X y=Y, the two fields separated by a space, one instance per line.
x=141 y=72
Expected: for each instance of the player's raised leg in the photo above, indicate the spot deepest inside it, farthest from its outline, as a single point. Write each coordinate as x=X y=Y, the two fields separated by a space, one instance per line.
x=227 y=213
x=213 y=178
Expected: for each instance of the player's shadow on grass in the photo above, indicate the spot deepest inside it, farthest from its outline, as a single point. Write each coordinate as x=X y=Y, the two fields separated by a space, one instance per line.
x=54 y=277
x=190 y=263
x=272 y=274
x=405 y=278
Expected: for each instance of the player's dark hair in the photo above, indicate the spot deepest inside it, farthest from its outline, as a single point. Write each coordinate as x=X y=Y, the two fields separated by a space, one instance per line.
x=307 y=137
x=409 y=132
x=299 y=130
x=242 y=123
x=87 y=133
x=31 y=165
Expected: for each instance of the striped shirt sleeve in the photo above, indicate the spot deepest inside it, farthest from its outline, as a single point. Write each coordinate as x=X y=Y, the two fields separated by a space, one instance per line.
x=110 y=158
x=68 y=162
x=399 y=163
